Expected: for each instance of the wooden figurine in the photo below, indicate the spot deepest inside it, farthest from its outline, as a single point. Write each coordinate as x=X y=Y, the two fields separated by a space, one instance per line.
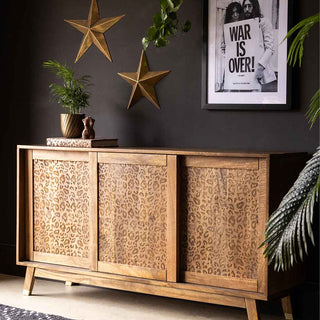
x=88 y=132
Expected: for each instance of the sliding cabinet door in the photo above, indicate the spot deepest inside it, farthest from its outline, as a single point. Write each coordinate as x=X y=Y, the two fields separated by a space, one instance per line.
x=223 y=214
x=58 y=207
x=132 y=218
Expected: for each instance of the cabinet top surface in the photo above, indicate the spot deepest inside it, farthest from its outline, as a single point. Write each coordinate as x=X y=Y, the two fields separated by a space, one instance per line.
x=169 y=151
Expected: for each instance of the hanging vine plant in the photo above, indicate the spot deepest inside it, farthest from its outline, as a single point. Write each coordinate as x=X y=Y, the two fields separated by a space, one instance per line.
x=165 y=24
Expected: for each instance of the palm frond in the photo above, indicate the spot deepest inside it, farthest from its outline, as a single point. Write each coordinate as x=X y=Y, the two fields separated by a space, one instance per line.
x=61 y=70
x=314 y=109
x=73 y=94
x=288 y=227
x=296 y=49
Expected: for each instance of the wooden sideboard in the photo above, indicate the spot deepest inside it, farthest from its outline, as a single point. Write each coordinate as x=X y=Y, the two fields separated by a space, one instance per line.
x=176 y=223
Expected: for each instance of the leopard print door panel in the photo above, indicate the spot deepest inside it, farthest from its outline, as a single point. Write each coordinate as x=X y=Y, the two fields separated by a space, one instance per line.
x=219 y=219
x=61 y=207
x=133 y=215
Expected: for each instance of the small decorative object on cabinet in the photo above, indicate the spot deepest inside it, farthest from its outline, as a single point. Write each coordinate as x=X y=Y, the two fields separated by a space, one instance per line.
x=93 y=30
x=88 y=132
x=176 y=223
x=72 y=95
x=143 y=82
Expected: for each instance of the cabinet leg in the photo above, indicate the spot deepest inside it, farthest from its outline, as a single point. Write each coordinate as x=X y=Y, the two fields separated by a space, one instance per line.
x=69 y=283
x=29 y=281
x=252 y=310
x=286 y=307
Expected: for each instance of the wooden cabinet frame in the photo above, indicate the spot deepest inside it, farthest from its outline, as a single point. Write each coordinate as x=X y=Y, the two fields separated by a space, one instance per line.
x=173 y=281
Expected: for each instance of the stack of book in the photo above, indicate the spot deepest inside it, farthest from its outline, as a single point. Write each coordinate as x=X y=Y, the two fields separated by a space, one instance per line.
x=82 y=143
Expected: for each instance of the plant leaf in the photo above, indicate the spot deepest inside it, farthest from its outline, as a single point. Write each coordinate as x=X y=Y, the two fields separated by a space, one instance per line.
x=163 y=4
x=187 y=26
x=157 y=20
x=165 y=23
x=152 y=33
x=175 y=5
x=145 y=43
x=289 y=225
x=296 y=49
x=314 y=109
x=162 y=42
x=73 y=94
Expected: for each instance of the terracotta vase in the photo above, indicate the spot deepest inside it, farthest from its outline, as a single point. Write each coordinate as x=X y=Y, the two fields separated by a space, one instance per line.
x=71 y=125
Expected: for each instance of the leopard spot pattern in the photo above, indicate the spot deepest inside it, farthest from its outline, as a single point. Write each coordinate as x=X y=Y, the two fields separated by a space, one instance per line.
x=219 y=220
x=61 y=207
x=133 y=215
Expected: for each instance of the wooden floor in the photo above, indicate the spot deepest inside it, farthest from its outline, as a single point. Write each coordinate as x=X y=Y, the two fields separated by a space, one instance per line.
x=87 y=303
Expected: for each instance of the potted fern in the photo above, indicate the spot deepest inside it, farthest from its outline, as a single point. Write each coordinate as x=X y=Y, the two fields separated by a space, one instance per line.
x=72 y=95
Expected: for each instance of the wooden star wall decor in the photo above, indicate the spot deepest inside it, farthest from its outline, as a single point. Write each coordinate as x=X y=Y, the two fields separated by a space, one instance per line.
x=143 y=82
x=93 y=30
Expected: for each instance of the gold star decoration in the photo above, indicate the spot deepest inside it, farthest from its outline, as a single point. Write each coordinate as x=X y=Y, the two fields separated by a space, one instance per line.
x=93 y=30
x=143 y=82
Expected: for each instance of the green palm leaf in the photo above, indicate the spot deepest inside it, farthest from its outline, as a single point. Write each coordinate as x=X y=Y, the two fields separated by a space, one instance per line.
x=73 y=94
x=314 y=109
x=288 y=227
x=296 y=53
x=296 y=48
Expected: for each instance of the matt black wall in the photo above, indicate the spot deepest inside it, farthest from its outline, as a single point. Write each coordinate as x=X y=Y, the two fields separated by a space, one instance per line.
x=34 y=31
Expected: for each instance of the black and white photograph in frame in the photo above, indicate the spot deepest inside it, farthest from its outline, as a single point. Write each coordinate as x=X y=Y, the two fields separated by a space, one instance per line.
x=245 y=63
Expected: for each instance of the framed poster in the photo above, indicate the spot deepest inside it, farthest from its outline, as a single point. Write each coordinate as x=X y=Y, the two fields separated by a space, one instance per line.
x=244 y=63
